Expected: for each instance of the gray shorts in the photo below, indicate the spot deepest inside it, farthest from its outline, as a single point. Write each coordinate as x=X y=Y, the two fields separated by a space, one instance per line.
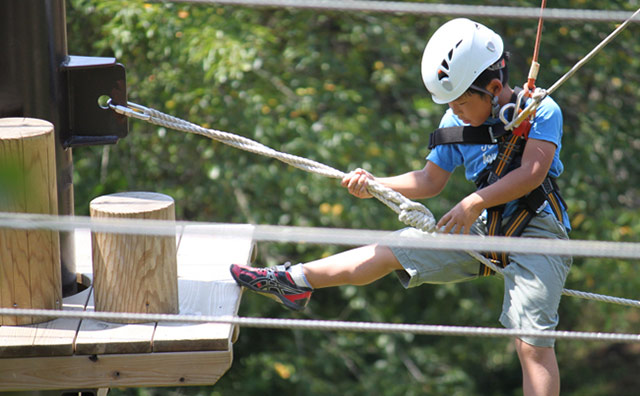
x=533 y=283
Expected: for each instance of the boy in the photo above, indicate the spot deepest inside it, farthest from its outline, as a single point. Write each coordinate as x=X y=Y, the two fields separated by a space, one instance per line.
x=464 y=66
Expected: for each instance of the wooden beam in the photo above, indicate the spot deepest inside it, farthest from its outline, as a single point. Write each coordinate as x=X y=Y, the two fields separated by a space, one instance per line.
x=113 y=371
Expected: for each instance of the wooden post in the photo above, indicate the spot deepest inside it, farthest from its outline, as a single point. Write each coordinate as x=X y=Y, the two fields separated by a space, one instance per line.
x=29 y=259
x=134 y=273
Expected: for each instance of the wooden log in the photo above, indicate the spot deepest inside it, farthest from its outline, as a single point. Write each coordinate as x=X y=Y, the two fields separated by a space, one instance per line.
x=134 y=273
x=29 y=259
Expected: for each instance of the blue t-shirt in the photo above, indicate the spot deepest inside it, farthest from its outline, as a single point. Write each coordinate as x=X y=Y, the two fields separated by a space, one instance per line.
x=547 y=126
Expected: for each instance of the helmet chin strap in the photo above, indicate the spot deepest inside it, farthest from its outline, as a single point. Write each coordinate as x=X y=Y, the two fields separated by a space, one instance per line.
x=495 y=106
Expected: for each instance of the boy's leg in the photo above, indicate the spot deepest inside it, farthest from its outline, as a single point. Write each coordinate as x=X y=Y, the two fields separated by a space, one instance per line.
x=359 y=266
x=533 y=289
x=293 y=285
x=540 y=374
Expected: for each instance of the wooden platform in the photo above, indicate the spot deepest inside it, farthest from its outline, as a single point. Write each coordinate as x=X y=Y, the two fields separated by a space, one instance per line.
x=76 y=354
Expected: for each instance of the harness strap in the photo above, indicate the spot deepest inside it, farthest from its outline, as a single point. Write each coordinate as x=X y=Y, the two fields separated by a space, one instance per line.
x=483 y=134
x=467 y=134
x=528 y=207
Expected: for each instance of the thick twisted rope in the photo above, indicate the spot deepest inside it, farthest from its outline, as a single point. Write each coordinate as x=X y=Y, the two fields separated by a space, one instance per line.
x=409 y=212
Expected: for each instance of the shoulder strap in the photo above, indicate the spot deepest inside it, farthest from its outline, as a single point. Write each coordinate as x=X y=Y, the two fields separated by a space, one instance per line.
x=483 y=134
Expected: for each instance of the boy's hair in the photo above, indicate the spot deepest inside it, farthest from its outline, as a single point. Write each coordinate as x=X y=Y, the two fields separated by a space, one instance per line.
x=499 y=70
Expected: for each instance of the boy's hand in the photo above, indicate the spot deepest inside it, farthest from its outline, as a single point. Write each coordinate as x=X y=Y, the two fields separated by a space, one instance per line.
x=460 y=219
x=356 y=182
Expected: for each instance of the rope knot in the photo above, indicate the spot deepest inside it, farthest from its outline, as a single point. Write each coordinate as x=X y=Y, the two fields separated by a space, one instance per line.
x=539 y=94
x=417 y=216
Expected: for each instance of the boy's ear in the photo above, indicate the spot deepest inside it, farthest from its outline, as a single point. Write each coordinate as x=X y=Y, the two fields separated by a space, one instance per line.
x=495 y=87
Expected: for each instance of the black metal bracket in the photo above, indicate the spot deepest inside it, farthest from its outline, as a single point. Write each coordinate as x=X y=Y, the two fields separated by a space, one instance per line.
x=89 y=79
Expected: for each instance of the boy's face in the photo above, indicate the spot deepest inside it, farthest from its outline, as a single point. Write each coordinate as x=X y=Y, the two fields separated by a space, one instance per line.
x=473 y=109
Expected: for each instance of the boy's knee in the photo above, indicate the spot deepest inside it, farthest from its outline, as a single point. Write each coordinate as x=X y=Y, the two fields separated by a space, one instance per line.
x=532 y=353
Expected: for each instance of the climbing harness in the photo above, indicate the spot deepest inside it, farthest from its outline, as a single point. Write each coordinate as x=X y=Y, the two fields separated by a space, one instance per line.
x=510 y=149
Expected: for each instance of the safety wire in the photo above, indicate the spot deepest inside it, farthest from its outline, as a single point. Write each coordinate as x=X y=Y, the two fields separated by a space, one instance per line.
x=423 y=8
x=326 y=325
x=323 y=235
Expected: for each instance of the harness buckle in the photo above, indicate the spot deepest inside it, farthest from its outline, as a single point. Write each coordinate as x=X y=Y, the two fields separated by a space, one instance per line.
x=493 y=138
x=492 y=178
x=547 y=186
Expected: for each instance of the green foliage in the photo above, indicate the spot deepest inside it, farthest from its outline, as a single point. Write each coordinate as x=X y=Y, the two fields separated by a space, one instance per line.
x=11 y=179
x=345 y=89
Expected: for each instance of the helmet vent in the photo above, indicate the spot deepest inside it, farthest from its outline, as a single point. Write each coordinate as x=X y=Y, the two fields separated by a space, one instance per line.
x=443 y=70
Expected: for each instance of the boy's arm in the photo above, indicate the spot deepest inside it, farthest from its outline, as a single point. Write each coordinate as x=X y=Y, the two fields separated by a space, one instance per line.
x=536 y=161
x=423 y=183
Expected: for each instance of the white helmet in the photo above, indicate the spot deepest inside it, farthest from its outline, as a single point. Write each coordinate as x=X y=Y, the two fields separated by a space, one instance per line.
x=455 y=56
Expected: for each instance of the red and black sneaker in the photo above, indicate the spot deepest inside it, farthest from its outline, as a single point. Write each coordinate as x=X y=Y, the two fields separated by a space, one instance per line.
x=273 y=282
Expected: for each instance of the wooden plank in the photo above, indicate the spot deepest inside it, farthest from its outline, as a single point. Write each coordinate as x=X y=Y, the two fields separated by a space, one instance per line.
x=113 y=371
x=207 y=257
x=56 y=337
x=200 y=298
x=205 y=287
x=96 y=337
x=53 y=338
